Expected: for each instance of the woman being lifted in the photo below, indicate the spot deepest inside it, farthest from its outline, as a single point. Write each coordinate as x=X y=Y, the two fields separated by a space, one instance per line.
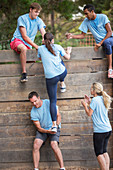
x=54 y=70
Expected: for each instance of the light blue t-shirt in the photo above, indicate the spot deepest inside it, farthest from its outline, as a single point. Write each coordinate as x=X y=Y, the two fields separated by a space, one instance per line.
x=52 y=64
x=42 y=114
x=32 y=26
x=96 y=26
x=100 y=118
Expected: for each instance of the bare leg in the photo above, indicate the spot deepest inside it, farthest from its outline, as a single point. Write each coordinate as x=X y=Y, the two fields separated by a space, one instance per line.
x=36 y=152
x=109 y=61
x=22 y=48
x=107 y=159
x=102 y=162
x=58 y=153
x=54 y=123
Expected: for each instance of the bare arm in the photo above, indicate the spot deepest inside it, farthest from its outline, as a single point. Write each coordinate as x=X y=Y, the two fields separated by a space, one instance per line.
x=40 y=129
x=88 y=111
x=109 y=33
x=68 y=52
x=26 y=38
x=72 y=36
x=42 y=31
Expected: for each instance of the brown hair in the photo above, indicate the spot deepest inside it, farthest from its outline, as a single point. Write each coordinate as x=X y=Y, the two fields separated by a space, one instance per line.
x=35 y=5
x=47 y=40
x=33 y=93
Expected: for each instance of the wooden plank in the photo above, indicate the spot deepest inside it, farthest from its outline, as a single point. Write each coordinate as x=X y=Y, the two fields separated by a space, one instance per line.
x=77 y=53
x=65 y=142
x=25 y=106
x=73 y=66
x=30 y=130
x=70 y=165
x=7 y=70
x=21 y=93
x=77 y=85
x=48 y=155
x=23 y=118
x=86 y=53
x=26 y=155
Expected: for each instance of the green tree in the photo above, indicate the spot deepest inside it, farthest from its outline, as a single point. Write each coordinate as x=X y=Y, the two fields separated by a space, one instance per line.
x=9 y=12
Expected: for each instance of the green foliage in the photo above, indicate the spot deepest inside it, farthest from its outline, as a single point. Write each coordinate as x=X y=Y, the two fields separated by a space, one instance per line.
x=10 y=10
x=60 y=10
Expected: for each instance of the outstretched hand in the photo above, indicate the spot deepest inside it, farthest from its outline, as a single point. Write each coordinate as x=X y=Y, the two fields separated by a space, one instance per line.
x=69 y=49
x=97 y=47
x=69 y=35
x=87 y=99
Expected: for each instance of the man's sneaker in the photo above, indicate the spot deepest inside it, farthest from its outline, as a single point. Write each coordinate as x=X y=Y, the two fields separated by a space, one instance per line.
x=62 y=168
x=110 y=74
x=62 y=88
x=24 y=77
x=54 y=129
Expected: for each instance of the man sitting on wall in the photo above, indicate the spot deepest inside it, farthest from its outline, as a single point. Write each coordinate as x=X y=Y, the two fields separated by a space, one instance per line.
x=24 y=35
x=99 y=25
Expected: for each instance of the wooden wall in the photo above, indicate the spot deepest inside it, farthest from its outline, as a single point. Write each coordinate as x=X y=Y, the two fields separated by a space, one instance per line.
x=17 y=131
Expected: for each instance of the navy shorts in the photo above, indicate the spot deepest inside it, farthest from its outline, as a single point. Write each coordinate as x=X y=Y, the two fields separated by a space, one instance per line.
x=100 y=141
x=52 y=137
x=107 y=45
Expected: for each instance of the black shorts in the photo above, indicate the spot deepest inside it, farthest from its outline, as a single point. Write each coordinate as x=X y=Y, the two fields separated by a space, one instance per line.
x=100 y=141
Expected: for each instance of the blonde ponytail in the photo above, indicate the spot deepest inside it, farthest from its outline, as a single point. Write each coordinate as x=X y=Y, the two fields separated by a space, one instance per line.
x=99 y=91
x=107 y=99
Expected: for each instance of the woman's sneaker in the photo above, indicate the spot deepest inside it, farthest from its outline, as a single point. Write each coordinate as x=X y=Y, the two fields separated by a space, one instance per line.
x=24 y=77
x=110 y=73
x=54 y=129
x=62 y=88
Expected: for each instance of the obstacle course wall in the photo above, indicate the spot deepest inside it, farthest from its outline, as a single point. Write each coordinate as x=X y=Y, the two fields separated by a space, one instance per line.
x=17 y=131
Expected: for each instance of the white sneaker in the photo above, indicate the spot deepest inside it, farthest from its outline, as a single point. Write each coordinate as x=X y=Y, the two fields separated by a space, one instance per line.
x=62 y=88
x=54 y=129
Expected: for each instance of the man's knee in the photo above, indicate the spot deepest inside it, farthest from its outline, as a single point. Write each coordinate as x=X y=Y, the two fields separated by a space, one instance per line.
x=54 y=145
x=37 y=144
x=22 y=48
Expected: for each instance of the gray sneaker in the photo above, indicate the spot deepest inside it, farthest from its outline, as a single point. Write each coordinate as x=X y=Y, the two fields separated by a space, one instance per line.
x=24 y=77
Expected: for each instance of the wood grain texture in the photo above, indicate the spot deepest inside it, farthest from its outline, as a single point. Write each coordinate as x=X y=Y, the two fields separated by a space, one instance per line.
x=79 y=53
x=77 y=85
x=75 y=66
x=17 y=131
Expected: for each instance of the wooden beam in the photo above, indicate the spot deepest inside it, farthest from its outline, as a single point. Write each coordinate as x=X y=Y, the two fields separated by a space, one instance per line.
x=77 y=53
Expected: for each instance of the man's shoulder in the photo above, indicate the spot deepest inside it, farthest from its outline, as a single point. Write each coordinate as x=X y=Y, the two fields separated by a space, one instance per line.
x=38 y=19
x=33 y=109
x=24 y=16
x=85 y=21
x=101 y=15
x=46 y=101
